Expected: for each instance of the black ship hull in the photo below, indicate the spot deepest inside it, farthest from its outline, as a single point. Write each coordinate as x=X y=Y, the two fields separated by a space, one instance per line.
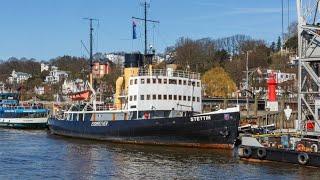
x=257 y=154
x=207 y=131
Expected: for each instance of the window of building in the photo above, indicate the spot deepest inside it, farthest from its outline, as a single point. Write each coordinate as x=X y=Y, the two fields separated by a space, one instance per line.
x=180 y=81
x=131 y=82
x=148 y=96
x=159 y=97
x=165 y=97
x=142 y=81
x=154 y=81
x=135 y=81
x=141 y=97
x=189 y=83
x=189 y=98
x=170 y=97
x=184 y=82
x=159 y=81
x=165 y=81
x=154 y=97
x=198 y=84
x=135 y=97
x=180 y=97
x=198 y=99
x=193 y=99
x=184 y=98
x=130 y=98
x=174 y=97
x=148 y=81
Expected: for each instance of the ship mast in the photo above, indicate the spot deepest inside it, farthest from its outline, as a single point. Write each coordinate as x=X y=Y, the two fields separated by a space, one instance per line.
x=91 y=46
x=145 y=20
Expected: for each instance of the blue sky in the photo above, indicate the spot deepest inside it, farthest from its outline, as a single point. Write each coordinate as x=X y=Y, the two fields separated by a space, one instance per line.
x=45 y=29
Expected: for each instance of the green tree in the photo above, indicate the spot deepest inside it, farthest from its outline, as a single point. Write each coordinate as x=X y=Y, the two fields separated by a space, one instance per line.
x=279 y=44
x=218 y=83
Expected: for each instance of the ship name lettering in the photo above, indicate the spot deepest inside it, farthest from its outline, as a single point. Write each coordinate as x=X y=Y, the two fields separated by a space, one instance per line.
x=102 y=123
x=200 y=118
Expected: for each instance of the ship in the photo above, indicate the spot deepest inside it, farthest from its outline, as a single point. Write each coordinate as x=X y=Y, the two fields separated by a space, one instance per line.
x=153 y=106
x=15 y=114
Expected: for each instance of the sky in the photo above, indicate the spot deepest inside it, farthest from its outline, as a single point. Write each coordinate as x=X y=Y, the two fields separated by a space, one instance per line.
x=45 y=29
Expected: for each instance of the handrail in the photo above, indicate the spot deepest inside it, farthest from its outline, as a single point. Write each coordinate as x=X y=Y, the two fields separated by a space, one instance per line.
x=170 y=73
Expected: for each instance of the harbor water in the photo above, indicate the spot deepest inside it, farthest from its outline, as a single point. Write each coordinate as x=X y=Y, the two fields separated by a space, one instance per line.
x=29 y=154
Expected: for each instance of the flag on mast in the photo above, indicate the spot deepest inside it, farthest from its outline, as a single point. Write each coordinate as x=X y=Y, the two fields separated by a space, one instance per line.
x=134 y=33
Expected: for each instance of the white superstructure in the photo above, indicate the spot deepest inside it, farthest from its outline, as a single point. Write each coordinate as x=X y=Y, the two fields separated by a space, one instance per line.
x=165 y=90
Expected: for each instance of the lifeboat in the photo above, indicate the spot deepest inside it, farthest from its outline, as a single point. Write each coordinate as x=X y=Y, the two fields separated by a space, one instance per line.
x=79 y=96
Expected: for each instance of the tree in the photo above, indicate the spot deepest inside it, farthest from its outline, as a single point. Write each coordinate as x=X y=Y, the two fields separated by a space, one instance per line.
x=279 y=44
x=218 y=83
x=273 y=46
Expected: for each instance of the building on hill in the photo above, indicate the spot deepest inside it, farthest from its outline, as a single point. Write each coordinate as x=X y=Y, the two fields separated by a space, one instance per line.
x=44 y=67
x=2 y=87
x=72 y=86
x=258 y=81
x=39 y=90
x=18 y=77
x=115 y=58
x=101 y=68
x=56 y=75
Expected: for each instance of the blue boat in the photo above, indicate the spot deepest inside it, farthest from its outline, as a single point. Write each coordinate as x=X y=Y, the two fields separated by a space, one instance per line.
x=13 y=114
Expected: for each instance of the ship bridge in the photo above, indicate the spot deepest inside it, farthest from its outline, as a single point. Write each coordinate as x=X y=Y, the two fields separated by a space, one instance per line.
x=164 y=91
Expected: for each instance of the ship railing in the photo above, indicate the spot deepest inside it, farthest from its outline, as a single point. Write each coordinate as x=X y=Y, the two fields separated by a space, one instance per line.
x=170 y=73
x=105 y=107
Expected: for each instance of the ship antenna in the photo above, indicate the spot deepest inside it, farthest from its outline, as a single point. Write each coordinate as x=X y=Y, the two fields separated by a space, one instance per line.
x=146 y=5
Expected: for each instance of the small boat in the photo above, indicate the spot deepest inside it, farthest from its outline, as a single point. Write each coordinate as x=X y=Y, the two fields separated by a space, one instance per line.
x=21 y=115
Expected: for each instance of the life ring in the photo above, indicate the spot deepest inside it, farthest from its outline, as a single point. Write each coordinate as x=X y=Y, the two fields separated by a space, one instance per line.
x=261 y=153
x=300 y=147
x=314 y=148
x=303 y=158
x=247 y=152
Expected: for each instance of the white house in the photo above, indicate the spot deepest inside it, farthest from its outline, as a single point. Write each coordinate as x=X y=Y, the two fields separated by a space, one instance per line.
x=39 y=90
x=44 y=67
x=56 y=75
x=18 y=77
x=71 y=86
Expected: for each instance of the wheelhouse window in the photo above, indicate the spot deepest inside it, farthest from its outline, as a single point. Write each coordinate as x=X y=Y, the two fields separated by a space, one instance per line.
x=159 y=97
x=154 y=97
x=170 y=97
x=174 y=97
x=148 y=96
x=141 y=97
x=172 y=81
x=165 y=97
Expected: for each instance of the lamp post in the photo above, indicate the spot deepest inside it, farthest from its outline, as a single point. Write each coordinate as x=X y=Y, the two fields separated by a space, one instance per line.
x=247 y=83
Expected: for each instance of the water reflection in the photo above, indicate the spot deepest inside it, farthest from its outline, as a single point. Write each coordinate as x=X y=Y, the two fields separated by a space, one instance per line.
x=36 y=155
